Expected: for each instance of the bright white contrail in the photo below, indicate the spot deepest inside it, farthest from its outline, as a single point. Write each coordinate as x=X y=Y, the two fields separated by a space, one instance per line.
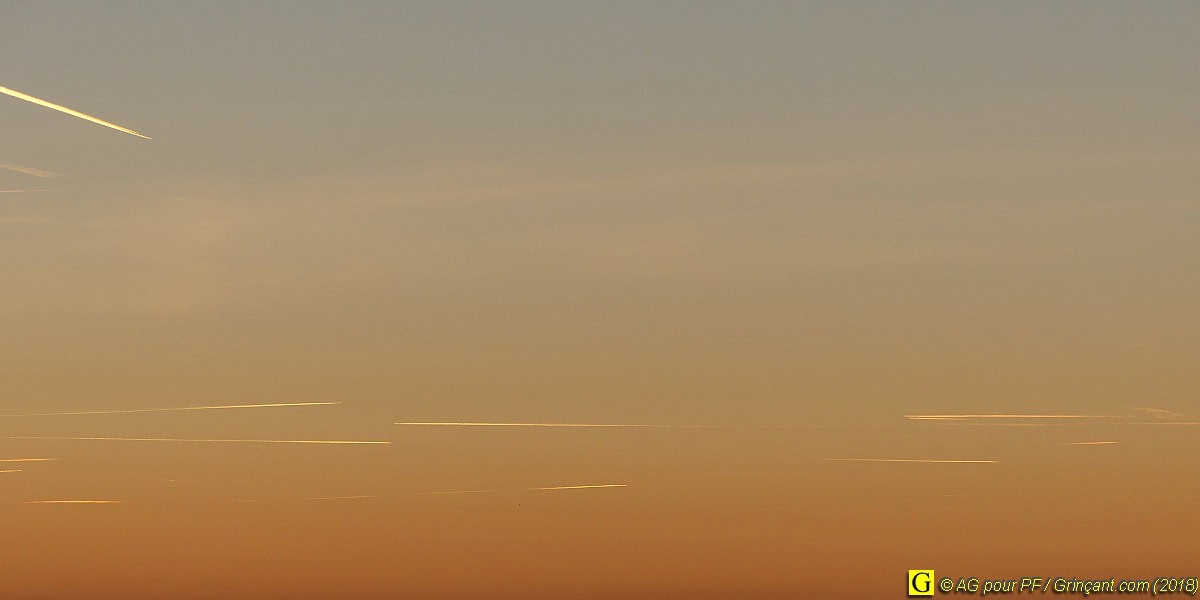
x=30 y=171
x=186 y=440
x=169 y=409
x=11 y=471
x=69 y=111
x=22 y=460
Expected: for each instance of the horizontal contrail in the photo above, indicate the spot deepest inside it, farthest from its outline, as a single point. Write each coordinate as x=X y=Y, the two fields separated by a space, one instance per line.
x=69 y=111
x=491 y=491
x=230 y=441
x=575 y=487
x=1084 y=443
x=628 y=425
x=969 y=417
x=28 y=191
x=904 y=460
x=74 y=502
x=11 y=471
x=12 y=460
x=170 y=409
x=30 y=171
x=470 y=424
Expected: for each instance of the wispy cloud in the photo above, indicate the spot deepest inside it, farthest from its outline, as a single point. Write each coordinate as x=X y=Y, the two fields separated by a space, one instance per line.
x=69 y=111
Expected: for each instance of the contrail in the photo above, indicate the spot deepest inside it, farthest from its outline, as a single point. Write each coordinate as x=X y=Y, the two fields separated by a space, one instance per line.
x=231 y=441
x=469 y=424
x=11 y=460
x=11 y=471
x=74 y=502
x=30 y=171
x=29 y=191
x=575 y=487
x=905 y=460
x=69 y=111
x=628 y=425
x=492 y=491
x=969 y=417
x=1084 y=443
x=171 y=409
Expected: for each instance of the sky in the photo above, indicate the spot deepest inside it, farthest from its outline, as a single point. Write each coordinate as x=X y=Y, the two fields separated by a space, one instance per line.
x=774 y=232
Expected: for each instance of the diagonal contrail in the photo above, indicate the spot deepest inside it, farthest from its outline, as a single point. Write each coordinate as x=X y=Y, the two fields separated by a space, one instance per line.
x=169 y=409
x=575 y=487
x=30 y=171
x=69 y=111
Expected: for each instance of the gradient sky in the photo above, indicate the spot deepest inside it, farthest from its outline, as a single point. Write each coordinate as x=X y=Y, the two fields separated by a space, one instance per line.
x=792 y=222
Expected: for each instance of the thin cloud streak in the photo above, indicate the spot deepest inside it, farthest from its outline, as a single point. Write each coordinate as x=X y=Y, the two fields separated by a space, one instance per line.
x=1085 y=444
x=193 y=440
x=624 y=425
x=170 y=409
x=576 y=487
x=488 y=491
x=11 y=471
x=28 y=191
x=23 y=460
x=905 y=460
x=74 y=502
x=69 y=111
x=31 y=171
x=1003 y=416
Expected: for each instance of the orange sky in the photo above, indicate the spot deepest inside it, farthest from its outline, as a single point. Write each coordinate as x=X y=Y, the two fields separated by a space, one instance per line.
x=768 y=231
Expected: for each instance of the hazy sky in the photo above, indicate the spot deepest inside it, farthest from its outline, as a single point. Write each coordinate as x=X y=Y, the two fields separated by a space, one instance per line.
x=823 y=216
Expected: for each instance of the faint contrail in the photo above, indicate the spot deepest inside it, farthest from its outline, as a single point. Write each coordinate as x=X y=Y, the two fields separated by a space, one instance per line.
x=1084 y=443
x=575 y=487
x=630 y=425
x=69 y=111
x=969 y=417
x=171 y=409
x=30 y=171
x=904 y=460
x=232 y=441
x=492 y=491
x=10 y=460
x=11 y=471
x=74 y=502
x=27 y=191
